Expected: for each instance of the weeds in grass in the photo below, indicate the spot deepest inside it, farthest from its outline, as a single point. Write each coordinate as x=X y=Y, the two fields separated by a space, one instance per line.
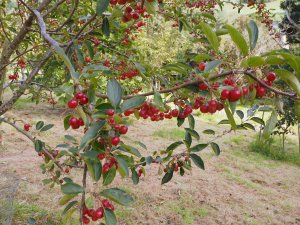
x=272 y=148
x=171 y=134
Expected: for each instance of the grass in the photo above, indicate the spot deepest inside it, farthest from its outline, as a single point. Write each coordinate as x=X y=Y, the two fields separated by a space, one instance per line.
x=272 y=149
x=170 y=134
x=237 y=140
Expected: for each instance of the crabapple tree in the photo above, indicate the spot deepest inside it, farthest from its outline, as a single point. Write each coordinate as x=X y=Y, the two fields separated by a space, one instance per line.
x=84 y=54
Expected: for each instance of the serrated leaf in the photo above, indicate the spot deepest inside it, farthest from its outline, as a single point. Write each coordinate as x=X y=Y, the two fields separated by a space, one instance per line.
x=135 y=177
x=132 y=103
x=224 y=122
x=198 y=161
x=238 y=39
x=109 y=176
x=180 y=121
x=167 y=177
x=106 y=27
x=258 y=120
x=66 y=122
x=230 y=116
x=122 y=167
x=114 y=92
x=210 y=35
x=193 y=133
x=270 y=125
x=198 y=148
x=38 y=145
x=174 y=145
x=191 y=121
x=212 y=65
x=69 y=206
x=209 y=131
x=240 y=114
x=110 y=218
x=215 y=148
x=253 y=33
x=158 y=100
x=65 y=199
x=248 y=125
x=102 y=6
x=39 y=125
x=71 y=188
x=47 y=127
x=91 y=133
x=117 y=195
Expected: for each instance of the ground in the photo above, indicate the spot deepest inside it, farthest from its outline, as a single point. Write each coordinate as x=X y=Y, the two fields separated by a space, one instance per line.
x=237 y=187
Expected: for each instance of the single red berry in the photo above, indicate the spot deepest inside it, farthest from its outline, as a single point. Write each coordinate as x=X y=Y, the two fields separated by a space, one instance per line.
x=245 y=91
x=79 y=95
x=181 y=115
x=115 y=140
x=80 y=122
x=175 y=112
x=27 y=127
x=84 y=100
x=213 y=103
x=271 y=76
x=188 y=110
x=220 y=106
x=176 y=167
x=113 y=2
x=110 y=112
x=225 y=94
x=99 y=213
x=260 y=92
x=111 y=120
x=123 y=129
x=203 y=86
x=85 y=211
x=204 y=108
x=235 y=94
x=105 y=167
x=67 y=170
x=202 y=66
x=72 y=103
x=85 y=220
x=73 y=121
x=88 y=59
x=101 y=156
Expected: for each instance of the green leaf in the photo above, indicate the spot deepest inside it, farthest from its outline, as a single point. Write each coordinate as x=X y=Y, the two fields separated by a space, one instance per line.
x=38 y=145
x=135 y=177
x=253 y=33
x=70 y=138
x=258 y=120
x=198 y=161
x=174 y=145
x=71 y=188
x=47 y=127
x=130 y=149
x=191 y=121
x=290 y=79
x=210 y=35
x=109 y=176
x=110 y=218
x=69 y=206
x=132 y=103
x=208 y=16
x=94 y=167
x=180 y=121
x=201 y=57
x=198 y=148
x=102 y=6
x=91 y=133
x=117 y=195
x=158 y=100
x=65 y=199
x=188 y=139
x=122 y=167
x=230 y=116
x=167 y=177
x=238 y=39
x=209 y=131
x=39 y=125
x=66 y=122
x=105 y=27
x=211 y=65
x=114 y=92
x=193 y=133
x=224 y=122
x=253 y=61
x=270 y=125
x=248 y=125
x=215 y=148
x=240 y=114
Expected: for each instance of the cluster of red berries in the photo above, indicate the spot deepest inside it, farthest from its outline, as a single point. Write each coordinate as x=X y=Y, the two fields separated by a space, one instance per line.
x=229 y=81
x=109 y=163
x=79 y=97
x=96 y=214
x=96 y=41
x=203 y=5
x=13 y=76
x=130 y=74
x=75 y=123
x=131 y=13
x=263 y=12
